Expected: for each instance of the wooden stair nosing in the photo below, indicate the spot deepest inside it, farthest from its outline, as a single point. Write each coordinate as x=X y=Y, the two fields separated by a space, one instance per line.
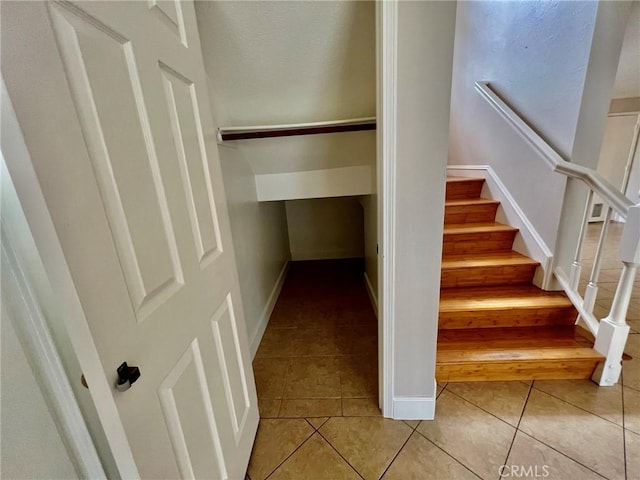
x=513 y=370
x=529 y=337
x=456 y=357
x=486 y=260
x=512 y=317
x=471 y=202
x=477 y=299
x=479 y=227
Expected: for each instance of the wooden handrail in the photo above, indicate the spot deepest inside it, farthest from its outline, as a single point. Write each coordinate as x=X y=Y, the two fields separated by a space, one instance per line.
x=596 y=182
x=315 y=128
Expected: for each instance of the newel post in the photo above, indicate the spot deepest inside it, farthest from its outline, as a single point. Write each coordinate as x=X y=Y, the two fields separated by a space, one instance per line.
x=613 y=330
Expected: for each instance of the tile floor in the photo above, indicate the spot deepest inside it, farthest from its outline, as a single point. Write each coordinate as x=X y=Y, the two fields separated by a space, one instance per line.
x=316 y=376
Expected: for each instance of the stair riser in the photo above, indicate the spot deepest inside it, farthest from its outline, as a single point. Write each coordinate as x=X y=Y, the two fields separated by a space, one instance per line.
x=464 y=190
x=458 y=214
x=461 y=243
x=493 y=275
x=513 y=317
x=542 y=370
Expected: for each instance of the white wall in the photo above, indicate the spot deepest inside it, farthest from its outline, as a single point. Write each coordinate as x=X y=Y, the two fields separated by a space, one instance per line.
x=535 y=56
x=606 y=44
x=616 y=146
x=260 y=239
x=614 y=155
x=627 y=83
x=322 y=228
x=424 y=56
x=32 y=448
x=633 y=188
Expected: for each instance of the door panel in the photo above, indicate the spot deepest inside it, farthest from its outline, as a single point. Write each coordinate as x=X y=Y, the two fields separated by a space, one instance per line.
x=188 y=412
x=170 y=13
x=143 y=224
x=185 y=120
x=231 y=366
x=101 y=68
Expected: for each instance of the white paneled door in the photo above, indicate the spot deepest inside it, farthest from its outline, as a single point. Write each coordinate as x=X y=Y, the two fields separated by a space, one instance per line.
x=114 y=108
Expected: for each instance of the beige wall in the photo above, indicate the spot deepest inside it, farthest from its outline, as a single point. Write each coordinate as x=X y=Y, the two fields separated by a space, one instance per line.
x=273 y=62
x=288 y=62
x=260 y=239
x=370 y=210
x=424 y=56
x=325 y=228
x=624 y=105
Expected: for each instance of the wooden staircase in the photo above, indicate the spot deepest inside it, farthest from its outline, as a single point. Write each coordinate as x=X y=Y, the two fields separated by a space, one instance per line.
x=494 y=324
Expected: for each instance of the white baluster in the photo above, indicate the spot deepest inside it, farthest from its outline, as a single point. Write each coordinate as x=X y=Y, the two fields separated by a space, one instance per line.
x=613 y=330
x=576 y=266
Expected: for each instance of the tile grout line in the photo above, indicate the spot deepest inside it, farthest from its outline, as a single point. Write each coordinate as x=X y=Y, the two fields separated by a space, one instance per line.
x=312 y=426
x=515 y=433
x=445 y=452
x=397 y=453
x=561 y=453
x=632 y=388
x=341 y=456
x=284 y=386
x=581 y=408
x=444 y=387
x=485 y=411
x=289 y=456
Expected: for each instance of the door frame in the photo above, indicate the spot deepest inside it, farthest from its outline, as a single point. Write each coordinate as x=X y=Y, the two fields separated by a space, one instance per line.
x=386 y=78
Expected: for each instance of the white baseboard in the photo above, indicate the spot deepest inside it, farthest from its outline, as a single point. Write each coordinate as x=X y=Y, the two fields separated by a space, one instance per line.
x=414 y=408
x=256 y=337
x=528 y=242
x=372 y=294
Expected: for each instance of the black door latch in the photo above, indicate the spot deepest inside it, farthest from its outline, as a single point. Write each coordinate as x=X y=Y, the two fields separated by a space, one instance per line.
x=126 y=377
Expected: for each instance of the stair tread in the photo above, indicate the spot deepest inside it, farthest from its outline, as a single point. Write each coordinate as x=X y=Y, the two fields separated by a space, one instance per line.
x=500 y=298
x=493 y=323
x=461 y=202
x=469 y=260
x=464 y=179
x=454 y=357
x=514 y=344
x=486 y=227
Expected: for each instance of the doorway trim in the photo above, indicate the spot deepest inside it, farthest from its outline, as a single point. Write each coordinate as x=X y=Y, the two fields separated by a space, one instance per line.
x=387 y=65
